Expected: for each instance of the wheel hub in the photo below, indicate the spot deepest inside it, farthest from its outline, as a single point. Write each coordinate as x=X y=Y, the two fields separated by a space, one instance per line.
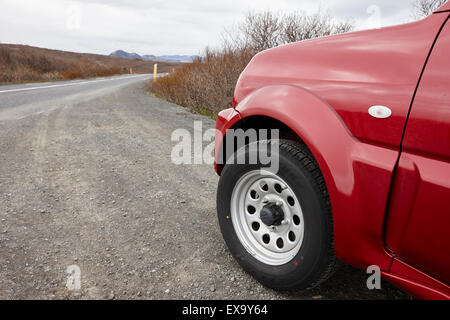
x=267 y=217
x=272 y=215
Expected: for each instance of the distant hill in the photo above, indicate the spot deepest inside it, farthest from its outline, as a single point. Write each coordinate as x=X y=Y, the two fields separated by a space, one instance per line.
x=164 y=58
x=125 y=55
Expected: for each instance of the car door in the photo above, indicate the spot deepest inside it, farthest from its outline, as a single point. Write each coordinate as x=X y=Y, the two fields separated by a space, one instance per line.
x=418 y=224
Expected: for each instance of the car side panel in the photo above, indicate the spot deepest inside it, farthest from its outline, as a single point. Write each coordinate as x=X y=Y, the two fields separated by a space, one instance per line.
x=419 y=216
x=419 y=233
x=428 y=132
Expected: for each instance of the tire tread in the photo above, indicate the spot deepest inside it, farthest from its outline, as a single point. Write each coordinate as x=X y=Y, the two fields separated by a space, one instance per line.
x=301 y=153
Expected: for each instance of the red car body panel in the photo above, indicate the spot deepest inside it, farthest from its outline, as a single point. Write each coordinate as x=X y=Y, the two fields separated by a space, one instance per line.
x=417 y=282
x=353 y=72
x=424 y=172
x=322 y=90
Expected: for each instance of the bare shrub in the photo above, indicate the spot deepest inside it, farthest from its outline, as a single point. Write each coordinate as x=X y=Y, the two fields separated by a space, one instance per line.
x=299 y=26
x=261 y=31
x=423 y=8
x=207 y=85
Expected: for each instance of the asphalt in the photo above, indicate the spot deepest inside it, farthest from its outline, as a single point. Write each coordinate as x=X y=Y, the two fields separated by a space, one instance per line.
x=86 y=180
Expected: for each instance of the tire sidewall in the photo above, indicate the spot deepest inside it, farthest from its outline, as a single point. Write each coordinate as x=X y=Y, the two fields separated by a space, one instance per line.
x=310 y=261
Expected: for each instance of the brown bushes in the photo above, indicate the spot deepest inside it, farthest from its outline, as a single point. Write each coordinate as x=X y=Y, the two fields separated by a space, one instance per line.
x=23 y=63
x=207 y=85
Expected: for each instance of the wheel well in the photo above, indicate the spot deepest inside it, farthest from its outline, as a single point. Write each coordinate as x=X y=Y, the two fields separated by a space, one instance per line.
x=262 y=122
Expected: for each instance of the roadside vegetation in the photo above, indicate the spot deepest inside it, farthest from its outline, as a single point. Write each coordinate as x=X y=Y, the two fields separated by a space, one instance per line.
x=20 y=63
x=207 y=84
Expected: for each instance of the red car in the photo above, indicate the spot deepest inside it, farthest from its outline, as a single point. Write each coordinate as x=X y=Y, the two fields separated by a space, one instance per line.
x=364 y=159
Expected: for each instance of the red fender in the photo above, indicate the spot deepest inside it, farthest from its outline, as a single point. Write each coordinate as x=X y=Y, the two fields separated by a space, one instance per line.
x=358 y=175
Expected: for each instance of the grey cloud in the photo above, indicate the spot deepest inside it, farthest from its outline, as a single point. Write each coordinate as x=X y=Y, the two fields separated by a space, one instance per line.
x=159 y=26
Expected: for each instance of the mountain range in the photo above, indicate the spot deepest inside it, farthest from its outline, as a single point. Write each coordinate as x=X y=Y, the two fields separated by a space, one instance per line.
x=165 y=58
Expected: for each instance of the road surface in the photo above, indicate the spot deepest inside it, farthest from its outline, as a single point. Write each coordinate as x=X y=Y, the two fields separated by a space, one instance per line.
x=86 y=180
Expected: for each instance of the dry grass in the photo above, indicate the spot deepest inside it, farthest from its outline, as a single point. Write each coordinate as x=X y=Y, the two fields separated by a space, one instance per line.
x=25 y=64
x=207 y=85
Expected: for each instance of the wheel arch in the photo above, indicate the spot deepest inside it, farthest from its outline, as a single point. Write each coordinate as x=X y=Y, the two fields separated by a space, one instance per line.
x=300 y=116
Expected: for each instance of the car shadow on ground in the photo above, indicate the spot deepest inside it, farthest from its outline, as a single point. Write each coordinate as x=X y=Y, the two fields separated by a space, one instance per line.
x=350 y=282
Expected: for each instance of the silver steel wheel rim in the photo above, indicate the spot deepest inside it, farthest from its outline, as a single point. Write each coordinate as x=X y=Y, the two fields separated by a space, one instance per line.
x=252 y=192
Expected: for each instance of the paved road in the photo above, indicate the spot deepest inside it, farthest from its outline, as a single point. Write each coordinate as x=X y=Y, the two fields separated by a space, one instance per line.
x=86 y=180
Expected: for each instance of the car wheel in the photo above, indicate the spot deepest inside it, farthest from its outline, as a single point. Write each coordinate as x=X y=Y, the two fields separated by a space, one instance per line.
x=278 y=226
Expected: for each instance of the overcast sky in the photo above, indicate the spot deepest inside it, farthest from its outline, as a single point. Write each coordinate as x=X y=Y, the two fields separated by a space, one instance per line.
x=162 y=26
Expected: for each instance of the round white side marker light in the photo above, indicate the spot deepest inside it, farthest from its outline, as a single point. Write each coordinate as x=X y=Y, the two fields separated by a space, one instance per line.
x=380 y=112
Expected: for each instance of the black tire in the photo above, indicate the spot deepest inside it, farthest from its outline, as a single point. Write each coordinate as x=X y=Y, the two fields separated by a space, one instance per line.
x=315 y=261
